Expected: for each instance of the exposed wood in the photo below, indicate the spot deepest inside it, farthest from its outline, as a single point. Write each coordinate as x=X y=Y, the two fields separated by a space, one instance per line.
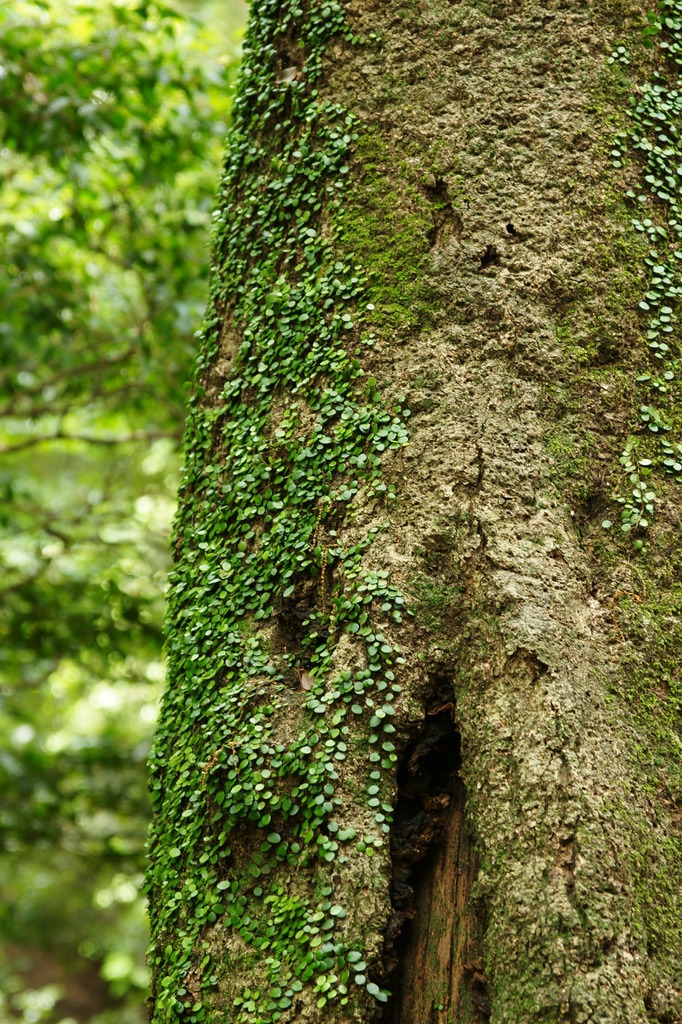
x=441 y=976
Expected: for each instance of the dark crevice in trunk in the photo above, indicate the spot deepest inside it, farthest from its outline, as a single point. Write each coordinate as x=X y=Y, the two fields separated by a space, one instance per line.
x=446 y=221
x=432 y=944
x=298 y=615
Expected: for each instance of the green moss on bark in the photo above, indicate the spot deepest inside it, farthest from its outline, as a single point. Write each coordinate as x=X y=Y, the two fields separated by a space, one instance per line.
x=387 y=228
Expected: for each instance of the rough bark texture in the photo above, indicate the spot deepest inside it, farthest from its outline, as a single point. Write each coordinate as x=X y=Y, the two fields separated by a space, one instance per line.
x=532 y=871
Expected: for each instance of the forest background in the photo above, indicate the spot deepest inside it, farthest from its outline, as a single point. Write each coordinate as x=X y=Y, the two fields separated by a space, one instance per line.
x=112 y=122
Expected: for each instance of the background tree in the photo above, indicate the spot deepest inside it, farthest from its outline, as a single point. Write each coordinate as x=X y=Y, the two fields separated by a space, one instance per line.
x=421 y=734
x=111 y=119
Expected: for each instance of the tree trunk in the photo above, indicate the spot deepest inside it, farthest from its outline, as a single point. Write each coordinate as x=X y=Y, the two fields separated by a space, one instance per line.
x=418 y=759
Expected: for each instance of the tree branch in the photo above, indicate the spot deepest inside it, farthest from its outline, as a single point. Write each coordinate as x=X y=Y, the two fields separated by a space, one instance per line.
x=134 y=437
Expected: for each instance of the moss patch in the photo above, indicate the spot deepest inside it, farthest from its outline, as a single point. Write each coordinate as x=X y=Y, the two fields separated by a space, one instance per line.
x=388 y=228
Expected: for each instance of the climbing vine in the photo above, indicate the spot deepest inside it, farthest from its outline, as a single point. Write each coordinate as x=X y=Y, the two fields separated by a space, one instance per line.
x=654 y=135
x=259 y=717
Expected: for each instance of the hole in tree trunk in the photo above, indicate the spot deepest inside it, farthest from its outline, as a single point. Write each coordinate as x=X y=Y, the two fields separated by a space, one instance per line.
x=433 y=941
x=446 y=221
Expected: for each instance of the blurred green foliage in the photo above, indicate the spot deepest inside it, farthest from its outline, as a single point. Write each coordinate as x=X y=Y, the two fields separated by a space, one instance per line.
x=112 y=119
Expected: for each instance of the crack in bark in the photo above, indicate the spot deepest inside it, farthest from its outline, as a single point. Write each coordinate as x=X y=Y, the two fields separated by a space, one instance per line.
x=431 y=948
x=447 y=223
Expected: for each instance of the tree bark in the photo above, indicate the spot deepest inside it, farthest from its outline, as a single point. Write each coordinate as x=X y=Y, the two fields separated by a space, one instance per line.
x=419 y=754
